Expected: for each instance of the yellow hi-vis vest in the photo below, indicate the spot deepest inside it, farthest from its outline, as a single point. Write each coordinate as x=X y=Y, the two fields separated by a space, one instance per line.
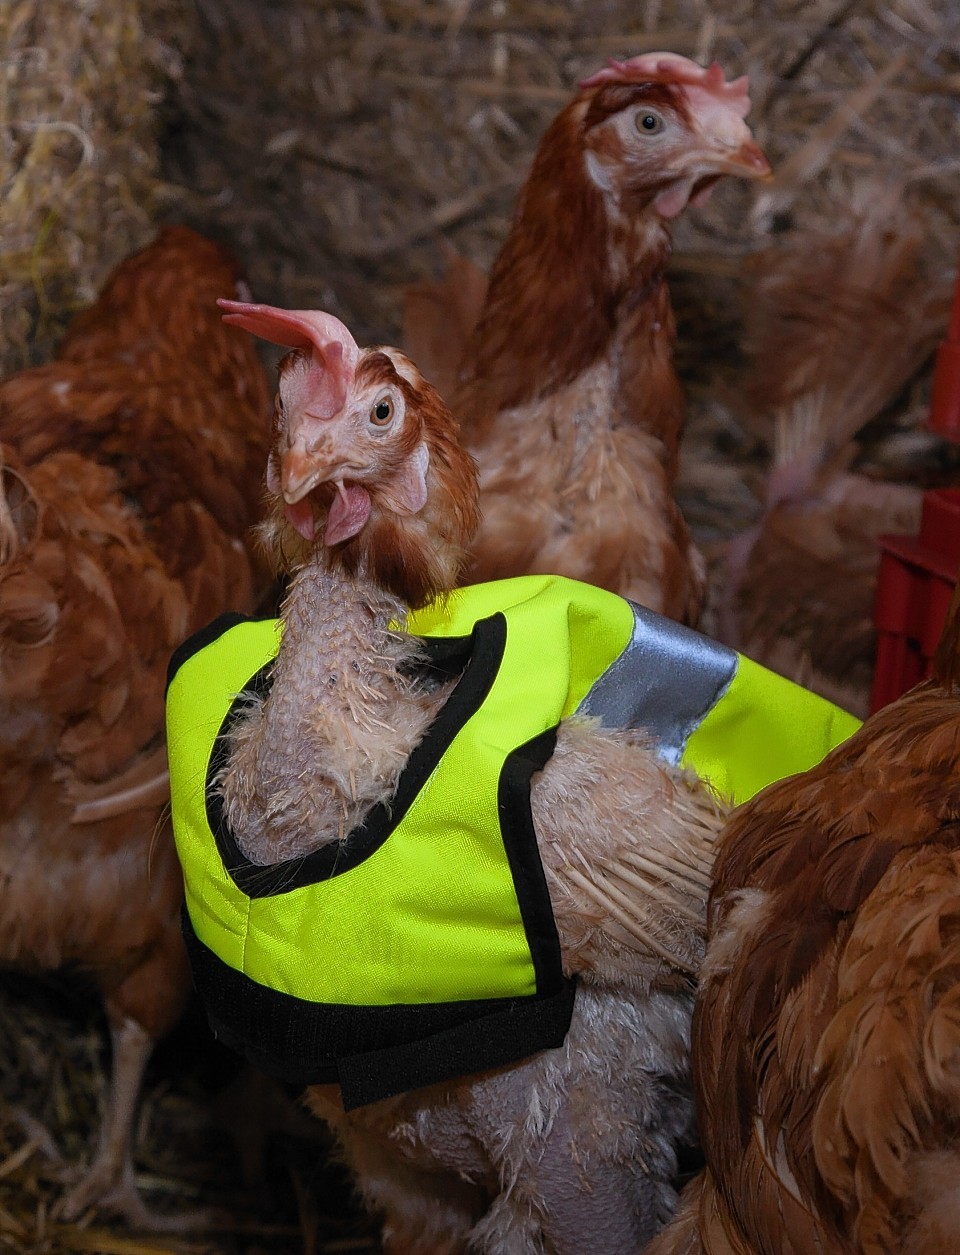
x=423 y=946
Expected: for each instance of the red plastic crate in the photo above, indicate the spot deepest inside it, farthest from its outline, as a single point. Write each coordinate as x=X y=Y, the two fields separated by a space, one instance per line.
x=945 y=395
x=918 y=574
x=914 y=587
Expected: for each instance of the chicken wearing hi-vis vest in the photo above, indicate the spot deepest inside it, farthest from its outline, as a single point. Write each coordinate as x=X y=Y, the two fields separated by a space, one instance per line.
x=446 y=851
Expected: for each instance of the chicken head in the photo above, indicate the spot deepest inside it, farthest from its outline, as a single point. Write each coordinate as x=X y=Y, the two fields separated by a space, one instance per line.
x=662 y=127
x=359 y=434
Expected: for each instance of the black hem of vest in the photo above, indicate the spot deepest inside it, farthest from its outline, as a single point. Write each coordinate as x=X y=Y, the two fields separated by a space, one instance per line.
x=372 y=1053
x=478 y=656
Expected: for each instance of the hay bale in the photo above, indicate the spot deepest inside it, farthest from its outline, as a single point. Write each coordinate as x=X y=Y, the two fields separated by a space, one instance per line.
x=79 y=159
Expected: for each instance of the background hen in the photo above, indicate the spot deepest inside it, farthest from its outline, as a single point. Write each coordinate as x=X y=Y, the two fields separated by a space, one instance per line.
x=826 y=1034
x=130 y=474
x=566 y=388
x=575 y=1147
x=840 y=321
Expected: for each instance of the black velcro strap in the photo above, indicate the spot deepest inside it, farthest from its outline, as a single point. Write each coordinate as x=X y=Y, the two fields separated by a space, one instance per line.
x=372 y=1052
x=491 y=1041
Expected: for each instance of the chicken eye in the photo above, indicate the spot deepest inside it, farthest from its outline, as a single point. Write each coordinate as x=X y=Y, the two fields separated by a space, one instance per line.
x=382 y=412
x=649 y=123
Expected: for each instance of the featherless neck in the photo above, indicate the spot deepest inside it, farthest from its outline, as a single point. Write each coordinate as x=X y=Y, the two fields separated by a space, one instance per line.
x=342 y=716
x=341 y=672
x=337 y=618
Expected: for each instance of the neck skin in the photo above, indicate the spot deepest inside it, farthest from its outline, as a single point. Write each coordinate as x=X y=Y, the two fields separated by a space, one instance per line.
x=335 y=731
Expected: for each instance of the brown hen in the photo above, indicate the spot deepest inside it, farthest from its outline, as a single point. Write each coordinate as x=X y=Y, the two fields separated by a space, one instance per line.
x=131 y=471
x=826 y=1034
x=567 y=390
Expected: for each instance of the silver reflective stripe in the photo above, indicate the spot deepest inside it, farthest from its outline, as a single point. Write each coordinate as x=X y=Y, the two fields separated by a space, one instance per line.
x=666 y=680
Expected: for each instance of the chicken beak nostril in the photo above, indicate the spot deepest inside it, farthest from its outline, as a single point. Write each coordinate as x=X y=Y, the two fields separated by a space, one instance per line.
x=752 y=160
x=297 y=474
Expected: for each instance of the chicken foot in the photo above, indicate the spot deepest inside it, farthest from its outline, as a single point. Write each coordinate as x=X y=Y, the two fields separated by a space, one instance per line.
x=109 y=1182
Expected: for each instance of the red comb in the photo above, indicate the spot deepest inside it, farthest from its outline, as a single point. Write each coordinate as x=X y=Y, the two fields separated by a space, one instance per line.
x=670 y=67
x=332 y=348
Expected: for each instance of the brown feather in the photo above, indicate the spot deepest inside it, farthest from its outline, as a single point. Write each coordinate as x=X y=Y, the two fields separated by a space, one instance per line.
x=439 y=316
x=825 y=1035
x=839 y=320
x=129 y=476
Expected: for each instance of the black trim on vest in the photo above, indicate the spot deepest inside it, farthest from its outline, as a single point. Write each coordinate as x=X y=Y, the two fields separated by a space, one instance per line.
x=204 y=637
x=372 y=1052
x=523 y=853
x=478 y=656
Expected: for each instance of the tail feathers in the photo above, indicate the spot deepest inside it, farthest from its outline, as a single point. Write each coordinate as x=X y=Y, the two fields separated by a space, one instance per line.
x=838 y=323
